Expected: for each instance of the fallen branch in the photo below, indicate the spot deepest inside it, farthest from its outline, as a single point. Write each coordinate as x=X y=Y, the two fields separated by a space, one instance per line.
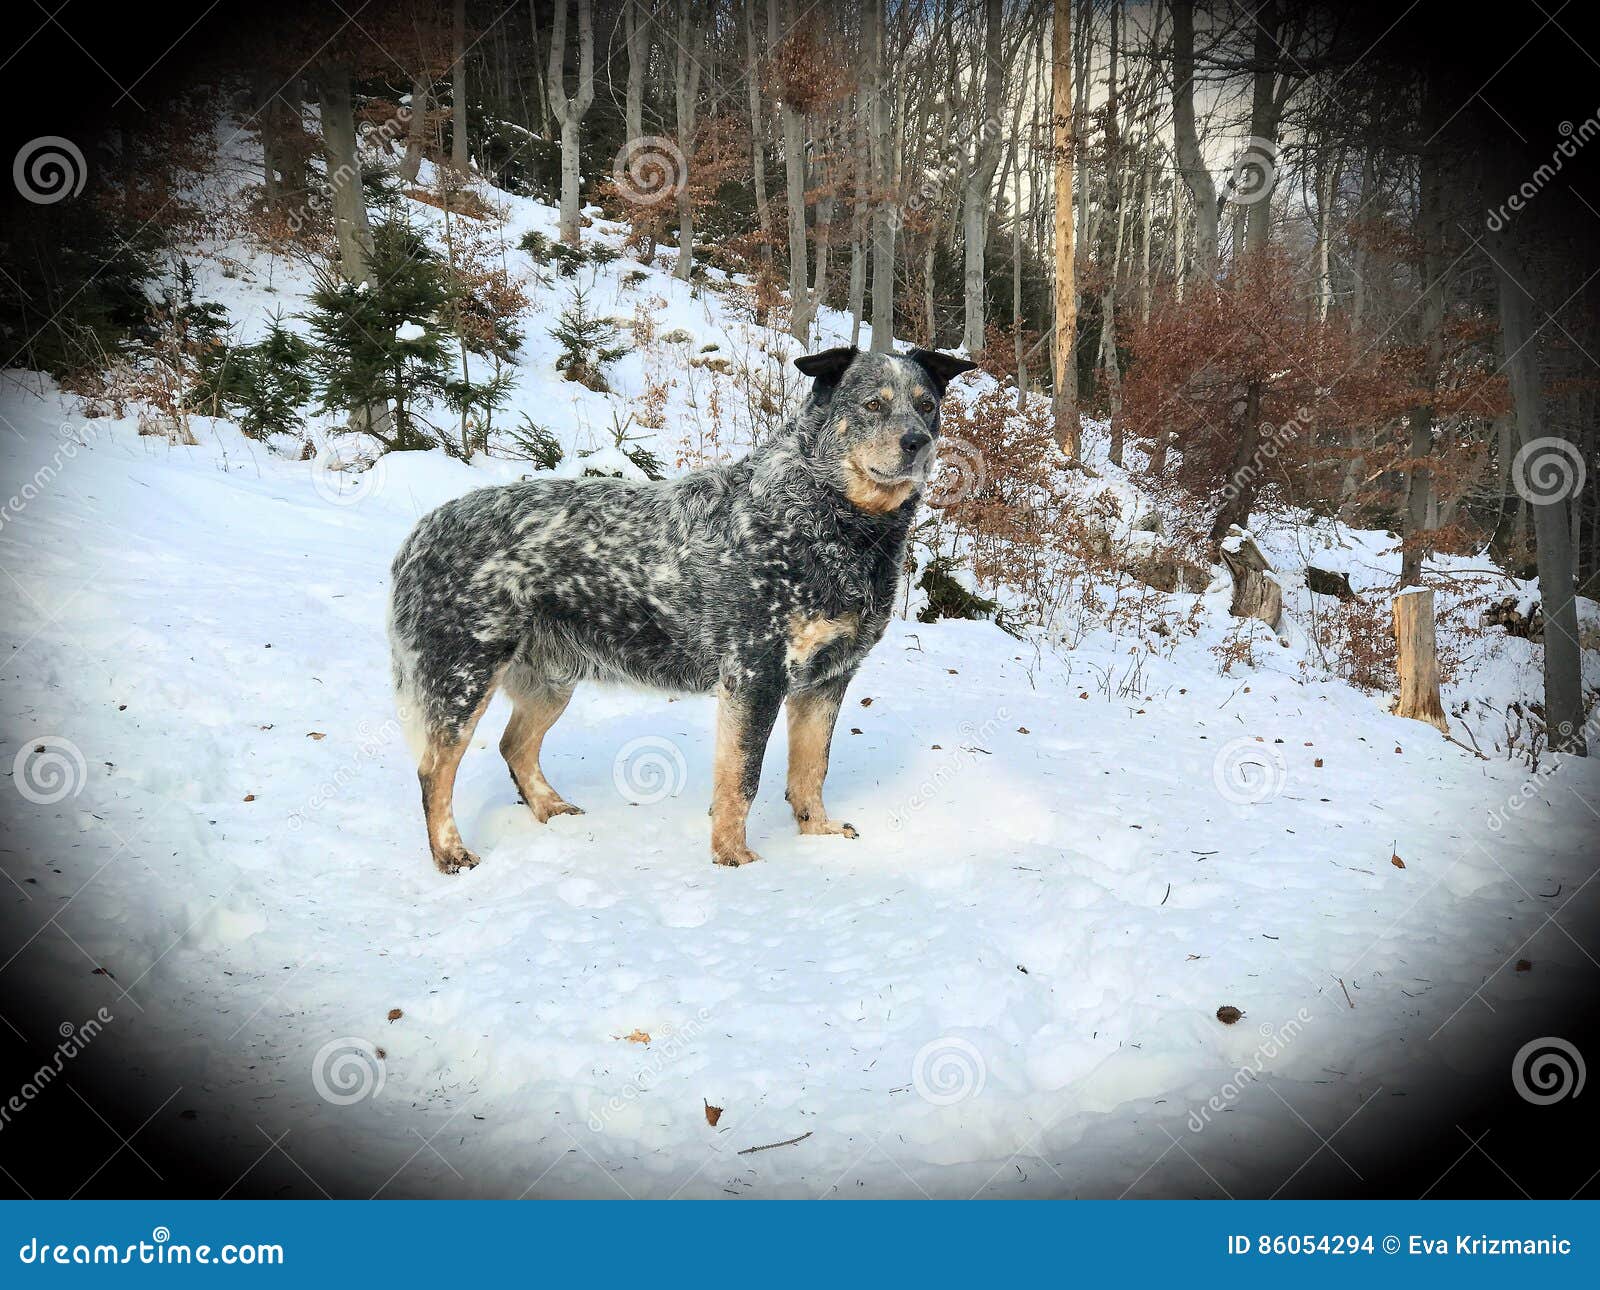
x=788 y=1142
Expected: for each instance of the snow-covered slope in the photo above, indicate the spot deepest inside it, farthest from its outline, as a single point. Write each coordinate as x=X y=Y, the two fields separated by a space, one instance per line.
x=1009 y=985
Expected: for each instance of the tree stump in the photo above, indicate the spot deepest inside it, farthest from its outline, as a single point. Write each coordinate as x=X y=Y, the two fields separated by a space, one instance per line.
x=1256 y=592
x=1417 y=660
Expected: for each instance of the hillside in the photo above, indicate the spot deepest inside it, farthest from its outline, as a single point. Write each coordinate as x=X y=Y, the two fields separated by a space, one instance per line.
x=1078 y=842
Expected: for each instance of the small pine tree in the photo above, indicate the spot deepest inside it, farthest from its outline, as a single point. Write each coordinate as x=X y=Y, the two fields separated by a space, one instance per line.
x=381 y=344
x=536 y=443
x=186 y=334
x=589 y=343
x=264 y=385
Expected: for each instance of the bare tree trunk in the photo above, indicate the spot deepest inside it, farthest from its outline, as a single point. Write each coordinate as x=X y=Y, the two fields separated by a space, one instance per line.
x=976 y=197
x=1265 y=109
x=569 y=113
x=1419 y=478
x=1148 y=221
x=859 y=147
x=686 y=85
x=1563 y=671
x=884 y=217
x=1115 y=163
x=1069 y=434
x=1178 y=241
x=758 y=142
x=1186 y=140
x=351 y=227
x=416 y=130
x=459 y=157
x=1325 y=191
x=636 y=19
x=794 y=170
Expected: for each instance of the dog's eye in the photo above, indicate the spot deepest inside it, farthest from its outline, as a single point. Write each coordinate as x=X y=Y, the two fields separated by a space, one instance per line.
x=925 y=406
x=873 y=405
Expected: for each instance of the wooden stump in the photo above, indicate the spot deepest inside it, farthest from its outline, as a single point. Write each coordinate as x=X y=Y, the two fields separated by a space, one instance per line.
x=1256 y=593
x=1417 y=660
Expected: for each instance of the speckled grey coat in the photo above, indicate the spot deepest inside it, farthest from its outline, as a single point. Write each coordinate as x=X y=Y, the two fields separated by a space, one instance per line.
x=765 y=579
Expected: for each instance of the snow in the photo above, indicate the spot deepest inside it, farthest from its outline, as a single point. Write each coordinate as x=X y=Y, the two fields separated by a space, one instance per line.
x=1070 y=857
x=410 y=331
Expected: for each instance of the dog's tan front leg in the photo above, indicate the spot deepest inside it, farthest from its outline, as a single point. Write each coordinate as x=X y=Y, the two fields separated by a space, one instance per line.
x=812 y=714
x=744 y=722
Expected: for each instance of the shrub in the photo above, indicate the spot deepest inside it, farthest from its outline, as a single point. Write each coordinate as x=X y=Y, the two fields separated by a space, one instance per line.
x=589 y=343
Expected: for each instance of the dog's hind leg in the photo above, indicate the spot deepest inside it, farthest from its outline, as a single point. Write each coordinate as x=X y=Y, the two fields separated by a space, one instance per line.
x=811 y=717
x=535 y=710
x=441 y=756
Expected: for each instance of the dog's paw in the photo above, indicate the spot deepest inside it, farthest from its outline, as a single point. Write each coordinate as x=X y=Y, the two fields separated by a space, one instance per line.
x=733 y=857
x=827 y=828
x=546 y=810
x=455 y=861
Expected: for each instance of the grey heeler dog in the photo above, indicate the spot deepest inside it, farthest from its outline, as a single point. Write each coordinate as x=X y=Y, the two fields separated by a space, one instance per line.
x=766 y=580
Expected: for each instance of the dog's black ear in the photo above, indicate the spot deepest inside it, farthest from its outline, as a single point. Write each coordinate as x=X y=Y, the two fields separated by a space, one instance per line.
x=943 y=368
x=827 y=367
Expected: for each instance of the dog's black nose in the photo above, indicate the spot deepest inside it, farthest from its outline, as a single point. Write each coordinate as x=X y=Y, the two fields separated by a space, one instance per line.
x=914 y=441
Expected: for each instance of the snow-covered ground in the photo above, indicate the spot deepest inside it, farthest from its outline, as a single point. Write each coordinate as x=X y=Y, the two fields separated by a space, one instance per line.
x=1015 y=971
x=1009 y=985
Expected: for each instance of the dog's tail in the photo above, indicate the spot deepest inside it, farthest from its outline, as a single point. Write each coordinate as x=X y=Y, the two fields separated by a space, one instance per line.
x=403 y=665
